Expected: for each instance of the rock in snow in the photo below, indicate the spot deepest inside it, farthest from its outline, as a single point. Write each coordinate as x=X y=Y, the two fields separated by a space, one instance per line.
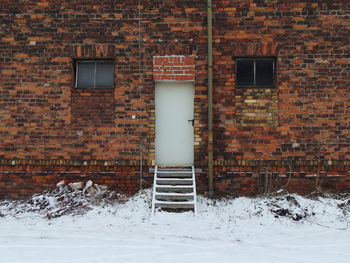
x=89 y=187
x=76 y=186
x=61 y=184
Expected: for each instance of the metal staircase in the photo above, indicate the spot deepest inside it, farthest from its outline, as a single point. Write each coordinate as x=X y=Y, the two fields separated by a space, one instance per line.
x=174 y=189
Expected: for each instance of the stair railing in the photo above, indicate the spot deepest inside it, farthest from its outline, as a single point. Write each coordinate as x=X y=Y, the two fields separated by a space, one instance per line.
x=154 y=190
x=194 y=191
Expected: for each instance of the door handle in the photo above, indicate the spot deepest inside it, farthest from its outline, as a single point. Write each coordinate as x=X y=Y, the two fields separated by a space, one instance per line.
x=192 y=122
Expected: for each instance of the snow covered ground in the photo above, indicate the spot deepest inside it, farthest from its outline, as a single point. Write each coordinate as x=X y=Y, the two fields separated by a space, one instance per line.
x=283 y=228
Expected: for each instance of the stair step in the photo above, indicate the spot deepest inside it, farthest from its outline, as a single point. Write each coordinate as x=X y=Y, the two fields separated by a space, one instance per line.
x=179 y=190
x=174 y=175
x=173 y=202
x=174 y=172
x=175 y=205
x=166 y=197
x=166 y=181
x=174 y=186
x=174 y=199
x=175 y=179
x=174 y=194
x=174 y=189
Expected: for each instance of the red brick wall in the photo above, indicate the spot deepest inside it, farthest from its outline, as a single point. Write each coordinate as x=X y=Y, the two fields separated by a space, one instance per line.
x=262 y=179
x=305 y=117
x=21 y=181
x=173 y=68
x=93 y=108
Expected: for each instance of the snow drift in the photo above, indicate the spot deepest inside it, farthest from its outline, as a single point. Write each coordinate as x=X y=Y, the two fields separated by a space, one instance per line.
x=73 y=224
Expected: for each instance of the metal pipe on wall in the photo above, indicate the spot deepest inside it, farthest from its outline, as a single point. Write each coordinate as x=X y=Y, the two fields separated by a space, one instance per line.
x=210 y=100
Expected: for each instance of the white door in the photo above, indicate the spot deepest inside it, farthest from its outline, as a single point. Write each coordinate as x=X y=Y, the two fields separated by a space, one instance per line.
x=174 y=125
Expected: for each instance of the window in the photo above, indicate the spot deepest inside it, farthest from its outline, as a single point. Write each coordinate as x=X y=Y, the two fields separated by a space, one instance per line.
x=96 y=74
x=255 y=72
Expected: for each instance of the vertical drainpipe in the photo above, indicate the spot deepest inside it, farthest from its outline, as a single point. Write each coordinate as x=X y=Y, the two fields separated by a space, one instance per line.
x=210 y=100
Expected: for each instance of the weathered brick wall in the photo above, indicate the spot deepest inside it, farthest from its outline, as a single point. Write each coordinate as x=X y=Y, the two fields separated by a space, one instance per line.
x=305 y=117
x=93 y=108
x=304 y=120
x=264 y=178
x=174 y=68
x=310 y=41
x=44 y=117
x=19 y=181
x=256 y=107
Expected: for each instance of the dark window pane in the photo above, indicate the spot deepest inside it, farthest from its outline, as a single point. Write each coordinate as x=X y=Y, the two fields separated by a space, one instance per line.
x=104 y=75
x=85 y=74
x=264 y=72
x=245 y=72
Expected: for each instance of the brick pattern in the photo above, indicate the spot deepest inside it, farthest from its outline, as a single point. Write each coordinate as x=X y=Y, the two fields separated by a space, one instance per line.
x=256 y=107
x=43 y=117
x=93 y=50
x=20 y=181
x=238 y=180
x=312 y=80
x=93 y=108
x=173 y=68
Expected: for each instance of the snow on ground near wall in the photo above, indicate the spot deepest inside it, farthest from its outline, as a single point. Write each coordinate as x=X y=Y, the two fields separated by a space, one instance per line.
x=286 y=228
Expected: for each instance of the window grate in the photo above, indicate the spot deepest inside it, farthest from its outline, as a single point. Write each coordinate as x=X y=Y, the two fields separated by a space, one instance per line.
x=255 y=72
x=94 y=74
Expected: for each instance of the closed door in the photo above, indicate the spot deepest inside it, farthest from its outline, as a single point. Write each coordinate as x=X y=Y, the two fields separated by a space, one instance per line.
x=174 y=123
